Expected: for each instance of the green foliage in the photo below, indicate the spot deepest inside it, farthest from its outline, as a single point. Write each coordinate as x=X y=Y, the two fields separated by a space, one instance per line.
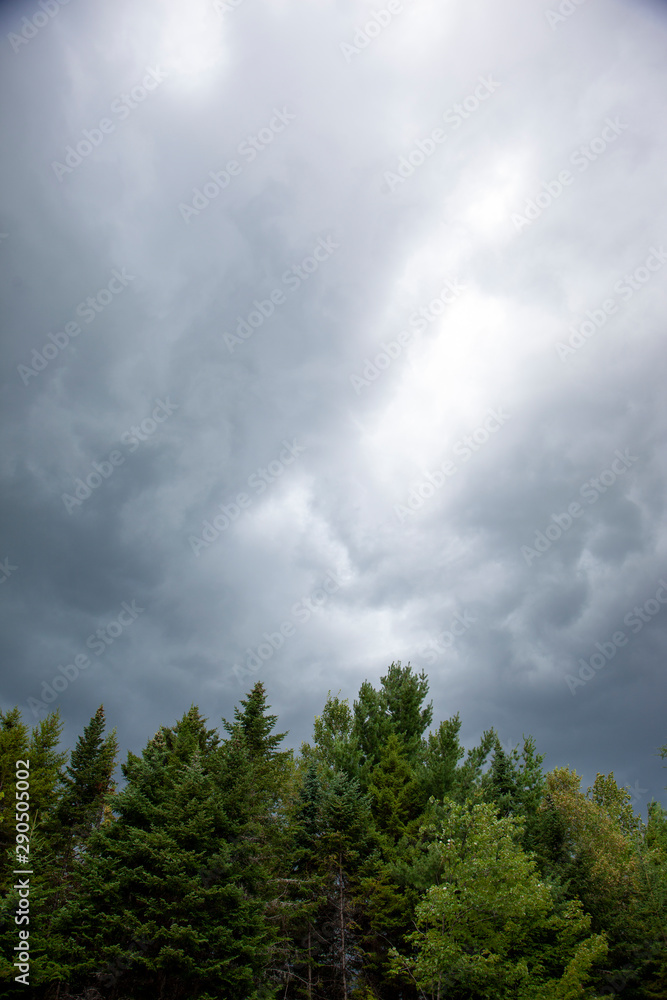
x=515 y=784
x=13 y=746
x=490 y=927
x=336 y=746
x=395 y=708
x=394 y=790
x=88 y=782
x=385 y=862
x=40 y=748
x=345 y=818
x=442 y=753
x=168 y=891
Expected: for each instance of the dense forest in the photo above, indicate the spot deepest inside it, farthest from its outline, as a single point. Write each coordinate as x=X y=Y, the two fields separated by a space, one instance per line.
x=381 y=862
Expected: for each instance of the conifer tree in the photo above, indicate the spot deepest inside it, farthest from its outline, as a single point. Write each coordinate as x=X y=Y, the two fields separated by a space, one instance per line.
x=39 y=749
x=381 y=864
x=394 y=791
x=345 y=819
x=303 y=891
x=501 y=781
x=253 y=725
x=13 y=747
x=87 y=783
x=442 y=753
x=648 y=964
x=396 y=707
x=468 y=775
x=515 y=784
x=253 y=744
x=396 y=797
x=166 y=905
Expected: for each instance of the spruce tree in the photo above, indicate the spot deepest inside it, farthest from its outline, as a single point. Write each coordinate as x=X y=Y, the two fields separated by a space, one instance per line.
x=39 y=749
x=344 y=841
x=87 y=783
x=13 y=747
x=515 y=784
x=253 y=725
x=396 y=798
x=394 y=791
x=302 y=891
x=166 y=906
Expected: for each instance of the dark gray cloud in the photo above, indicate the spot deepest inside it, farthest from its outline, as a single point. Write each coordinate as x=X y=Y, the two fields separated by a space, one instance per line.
x=334 y=336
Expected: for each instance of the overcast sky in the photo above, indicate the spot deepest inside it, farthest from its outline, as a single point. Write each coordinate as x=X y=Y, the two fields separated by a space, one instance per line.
x=334 y=335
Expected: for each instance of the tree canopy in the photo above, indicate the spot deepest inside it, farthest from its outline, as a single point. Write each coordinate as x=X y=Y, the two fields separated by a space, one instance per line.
x=384 y=861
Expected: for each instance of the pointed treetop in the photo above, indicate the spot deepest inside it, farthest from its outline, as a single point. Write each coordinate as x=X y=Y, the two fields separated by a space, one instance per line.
x=254 y=724
x=396 y=707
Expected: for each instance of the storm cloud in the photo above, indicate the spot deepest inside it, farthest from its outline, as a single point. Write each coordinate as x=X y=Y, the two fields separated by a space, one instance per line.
x=333 y=336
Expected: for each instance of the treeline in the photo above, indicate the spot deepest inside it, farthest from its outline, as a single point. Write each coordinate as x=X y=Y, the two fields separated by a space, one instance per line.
x=382 y=862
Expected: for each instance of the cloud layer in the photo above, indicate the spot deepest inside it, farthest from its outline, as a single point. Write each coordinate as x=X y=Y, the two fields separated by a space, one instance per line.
x=334 y=335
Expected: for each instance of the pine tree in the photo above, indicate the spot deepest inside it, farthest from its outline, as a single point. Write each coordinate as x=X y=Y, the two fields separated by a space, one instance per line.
x=394 y=791
x=166 y=905
x=13 y=747
x=87 y=784
x=302 y=890
x=395 y=708
x=345 y=821
x=39 y=749
x=515 y=784
x=441 y=755
x=253 y=725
